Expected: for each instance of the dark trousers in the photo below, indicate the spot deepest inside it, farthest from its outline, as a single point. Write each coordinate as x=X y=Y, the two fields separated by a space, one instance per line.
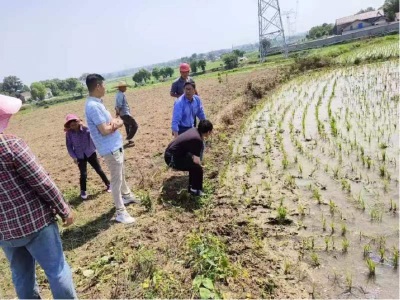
x=182 y=129
x=94 y=162
x=130 y=126
x=186 y=163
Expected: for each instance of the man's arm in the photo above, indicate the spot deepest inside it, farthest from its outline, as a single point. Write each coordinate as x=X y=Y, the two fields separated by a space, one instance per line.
x=118 y=104
x=35 y=176
x=200 y=113
x=70 y=148
x=176 y=118
x=108 y=128
x=174 y=90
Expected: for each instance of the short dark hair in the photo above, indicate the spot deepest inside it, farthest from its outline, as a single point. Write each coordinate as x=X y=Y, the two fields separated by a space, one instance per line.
x=191 y=83
x=204 y=126
x=92 y=80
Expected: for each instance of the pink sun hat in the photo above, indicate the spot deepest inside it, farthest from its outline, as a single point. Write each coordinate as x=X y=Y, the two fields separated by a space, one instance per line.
x=68 y=118
x=8 y=107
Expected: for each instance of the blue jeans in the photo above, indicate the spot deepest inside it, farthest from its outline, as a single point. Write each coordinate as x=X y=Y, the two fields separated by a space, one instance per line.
x=44 y=247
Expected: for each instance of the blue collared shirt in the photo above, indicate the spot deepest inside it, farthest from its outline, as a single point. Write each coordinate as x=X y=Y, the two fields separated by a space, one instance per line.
x=186 y=111
x=122 y=104
x=96 y=114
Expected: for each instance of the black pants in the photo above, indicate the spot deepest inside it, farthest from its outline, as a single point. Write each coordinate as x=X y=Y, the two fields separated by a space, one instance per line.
x=186 y=163
x=130 y=126
x=94 y=162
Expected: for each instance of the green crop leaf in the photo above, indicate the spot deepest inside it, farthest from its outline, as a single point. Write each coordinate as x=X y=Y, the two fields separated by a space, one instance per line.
x=205 y=293
x=207 y=282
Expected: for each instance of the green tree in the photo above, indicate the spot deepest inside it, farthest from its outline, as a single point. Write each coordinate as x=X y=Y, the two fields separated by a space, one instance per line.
x=193 y=57
x=12 y=84
x=146 y=75
x=169 y=71
x=238 y=52
x=320 y=31
x=265 y=44
x=391 y=7
x=62 y=84
x=156 y=73
x=202 y=64
x=365 y=10
x=230 y=61
x=38 y=91
x=72 y=84
x=25 y=88
x=1 y=88
x=193 y=66
x=80 y=89
x=210 y=56
x=82 y=78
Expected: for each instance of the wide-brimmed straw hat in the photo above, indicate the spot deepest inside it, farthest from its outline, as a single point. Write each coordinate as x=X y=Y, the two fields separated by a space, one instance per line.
x=8 y=107
x=121 y=84
x=69 y=118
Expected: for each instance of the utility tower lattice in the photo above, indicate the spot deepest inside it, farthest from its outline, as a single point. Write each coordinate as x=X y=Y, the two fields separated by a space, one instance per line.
x=270 y=25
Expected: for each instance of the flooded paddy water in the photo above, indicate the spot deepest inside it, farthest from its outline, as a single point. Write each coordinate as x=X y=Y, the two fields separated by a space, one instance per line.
x=319 y=160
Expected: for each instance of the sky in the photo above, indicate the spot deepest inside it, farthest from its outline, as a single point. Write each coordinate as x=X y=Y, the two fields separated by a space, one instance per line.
x=45 y=39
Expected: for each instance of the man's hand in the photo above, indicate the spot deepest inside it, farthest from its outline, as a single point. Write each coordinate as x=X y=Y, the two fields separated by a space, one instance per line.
x=196 y=160
x=175 y=134
x=116 y=123
x=69 y=220
x=75 y=161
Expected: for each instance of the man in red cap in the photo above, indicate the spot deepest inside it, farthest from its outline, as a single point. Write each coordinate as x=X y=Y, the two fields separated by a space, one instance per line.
x=177 y=85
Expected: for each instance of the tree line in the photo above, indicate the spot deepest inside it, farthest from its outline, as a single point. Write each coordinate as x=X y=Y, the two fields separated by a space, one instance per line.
x=13 y=86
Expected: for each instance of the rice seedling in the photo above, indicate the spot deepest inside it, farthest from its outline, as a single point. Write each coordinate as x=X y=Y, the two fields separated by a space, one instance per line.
x=285 y=162
x=326 y=168
x=317 y=195
x=300 y=209
x=323 y=223
x=396 y=257
x=349 y=281
x=367 y=250
x=382 y=254
x=336 y=172
x=332 y=227
x=312 y=242
x=326 y=243
x=344 y=229
x=382 y=171
x=345 y=245
x=296 y=159
x=282 y=212
x=371 y=266
x=286 y=266
x=376 y=215
x=332 y=206
x=314 y=259
x=369 y=162
x=300 y=169
x=383 y=156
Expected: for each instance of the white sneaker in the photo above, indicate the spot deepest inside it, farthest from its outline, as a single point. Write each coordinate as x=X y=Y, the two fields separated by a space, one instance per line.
x=197 y=192
x=129 y=199
x=124 y=218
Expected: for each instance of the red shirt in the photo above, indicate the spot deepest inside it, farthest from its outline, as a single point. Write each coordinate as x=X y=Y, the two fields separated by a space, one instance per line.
x=29 y=199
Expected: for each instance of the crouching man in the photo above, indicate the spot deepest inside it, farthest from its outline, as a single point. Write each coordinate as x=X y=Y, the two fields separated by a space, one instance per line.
x=184 y=152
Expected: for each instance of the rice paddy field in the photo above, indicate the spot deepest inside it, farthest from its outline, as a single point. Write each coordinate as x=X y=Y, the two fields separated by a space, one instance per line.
x=319 y=160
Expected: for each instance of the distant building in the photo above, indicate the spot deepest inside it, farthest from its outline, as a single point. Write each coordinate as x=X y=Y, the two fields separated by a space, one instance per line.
x=360 y=21
x=48 y=94
x=25 y=96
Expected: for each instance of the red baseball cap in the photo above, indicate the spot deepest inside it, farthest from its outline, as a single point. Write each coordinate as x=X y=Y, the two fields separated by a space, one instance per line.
x=184 y=67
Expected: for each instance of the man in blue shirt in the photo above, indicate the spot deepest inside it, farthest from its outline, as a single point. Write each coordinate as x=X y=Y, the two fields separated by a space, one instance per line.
x=122 y=110
x=186 y=108
x=108 y=141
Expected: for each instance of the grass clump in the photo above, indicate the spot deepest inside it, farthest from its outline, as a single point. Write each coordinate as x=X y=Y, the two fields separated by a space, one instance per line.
x=371 y=266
